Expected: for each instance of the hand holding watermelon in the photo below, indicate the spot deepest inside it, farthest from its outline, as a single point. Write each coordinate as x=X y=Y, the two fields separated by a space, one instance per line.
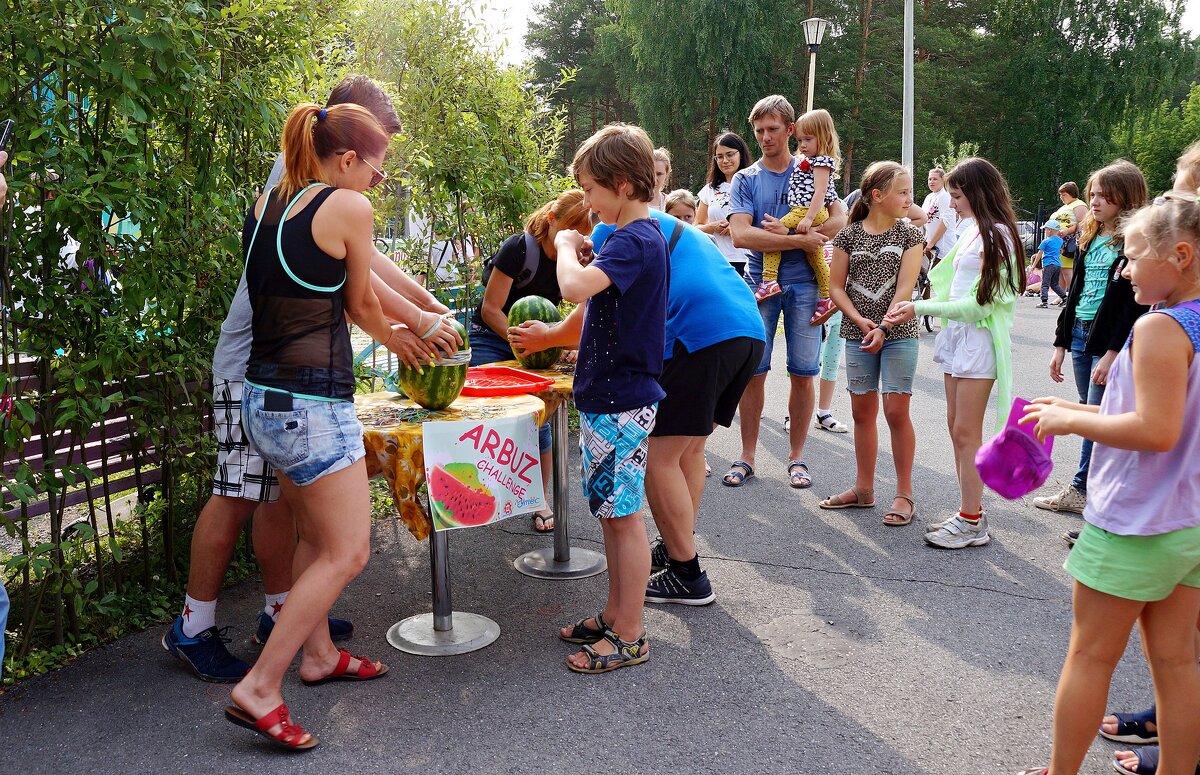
x=529 y=322
x=409 y=348
x=442 y=334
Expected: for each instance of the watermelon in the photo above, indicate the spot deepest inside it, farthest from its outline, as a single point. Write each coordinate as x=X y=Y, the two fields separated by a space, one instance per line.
x=438 y=386
x=535 y=308
x=458 y=497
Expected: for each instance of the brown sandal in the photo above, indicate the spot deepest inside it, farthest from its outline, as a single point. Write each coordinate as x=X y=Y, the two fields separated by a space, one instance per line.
x=863 y=499
x=899 y=518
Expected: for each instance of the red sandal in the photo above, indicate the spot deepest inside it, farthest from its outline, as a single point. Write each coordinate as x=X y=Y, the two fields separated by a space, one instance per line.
x=289 y=735
x=366 y=670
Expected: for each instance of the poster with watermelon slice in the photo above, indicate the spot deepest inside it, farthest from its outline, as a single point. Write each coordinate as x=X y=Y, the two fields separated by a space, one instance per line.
x=482 y=471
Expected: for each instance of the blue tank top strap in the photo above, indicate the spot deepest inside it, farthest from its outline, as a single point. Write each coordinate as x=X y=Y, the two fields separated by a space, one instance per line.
x=1187 y=315
x=279 y=248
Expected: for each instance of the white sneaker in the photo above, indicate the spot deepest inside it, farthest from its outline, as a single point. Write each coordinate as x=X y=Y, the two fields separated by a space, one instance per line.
x=1068 y=499
x=787 y=423
x=830 y=423
x=958 y=533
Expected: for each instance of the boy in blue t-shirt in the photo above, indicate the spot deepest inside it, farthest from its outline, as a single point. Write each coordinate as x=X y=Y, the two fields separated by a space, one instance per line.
x=1050 y=252
x=616 y=388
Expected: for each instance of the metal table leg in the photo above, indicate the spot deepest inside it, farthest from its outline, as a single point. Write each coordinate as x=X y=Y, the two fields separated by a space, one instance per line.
x=443 y=632
x=561 y=562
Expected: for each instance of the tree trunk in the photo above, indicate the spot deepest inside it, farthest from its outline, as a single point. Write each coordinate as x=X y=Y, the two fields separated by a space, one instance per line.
x=712 y=121
x=860 y=74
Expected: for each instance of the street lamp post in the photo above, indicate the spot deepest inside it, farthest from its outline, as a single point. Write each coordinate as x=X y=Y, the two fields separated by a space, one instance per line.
x=814 y=31
x=906 y=132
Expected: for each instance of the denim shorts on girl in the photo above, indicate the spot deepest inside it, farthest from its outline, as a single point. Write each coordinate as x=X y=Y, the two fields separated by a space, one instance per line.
x=312 y=439
x=612 y=459
x=1145 y=568
x=894 y=366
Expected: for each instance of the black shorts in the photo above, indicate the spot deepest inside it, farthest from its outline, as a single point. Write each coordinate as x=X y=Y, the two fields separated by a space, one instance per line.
x=704 y=387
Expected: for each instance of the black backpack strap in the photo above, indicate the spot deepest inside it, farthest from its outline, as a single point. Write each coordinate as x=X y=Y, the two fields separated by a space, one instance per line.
x=533 y=254
x=675 y=235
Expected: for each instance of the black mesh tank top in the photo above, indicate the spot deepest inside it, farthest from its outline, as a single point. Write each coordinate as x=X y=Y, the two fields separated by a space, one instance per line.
x=301 y=340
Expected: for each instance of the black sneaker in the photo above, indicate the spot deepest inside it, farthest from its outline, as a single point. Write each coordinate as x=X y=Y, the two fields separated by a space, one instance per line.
x=205 y=654
x=1071 y=536
x=658 y=554
x=667 y=587
x=339 y=629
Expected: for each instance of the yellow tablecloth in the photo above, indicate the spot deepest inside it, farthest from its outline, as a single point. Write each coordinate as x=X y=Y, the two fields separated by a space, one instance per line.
x=563 y=375
x=395 y=447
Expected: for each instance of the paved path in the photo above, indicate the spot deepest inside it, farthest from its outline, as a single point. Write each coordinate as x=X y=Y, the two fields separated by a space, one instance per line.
x=836 y=645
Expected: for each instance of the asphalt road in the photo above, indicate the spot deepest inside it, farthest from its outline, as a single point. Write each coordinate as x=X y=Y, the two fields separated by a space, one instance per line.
x=836 y=644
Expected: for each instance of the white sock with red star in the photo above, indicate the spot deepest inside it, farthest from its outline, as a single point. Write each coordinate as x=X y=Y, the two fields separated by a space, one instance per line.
x=198 y=615
x=274 y=605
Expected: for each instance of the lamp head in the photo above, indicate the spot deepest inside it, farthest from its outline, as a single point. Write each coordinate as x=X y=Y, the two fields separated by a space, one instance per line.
x=814 y=31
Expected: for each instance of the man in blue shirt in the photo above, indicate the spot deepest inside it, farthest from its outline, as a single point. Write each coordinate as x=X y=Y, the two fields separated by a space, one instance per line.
x=757 y=202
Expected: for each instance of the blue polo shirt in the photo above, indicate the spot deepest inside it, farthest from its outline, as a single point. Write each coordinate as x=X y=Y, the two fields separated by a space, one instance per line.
x=708 y=301
x=1051 y=248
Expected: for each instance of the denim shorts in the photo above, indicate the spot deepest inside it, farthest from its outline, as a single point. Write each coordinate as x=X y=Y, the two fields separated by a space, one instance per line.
x=894 y=366
x=314 y=439
x=797 y=304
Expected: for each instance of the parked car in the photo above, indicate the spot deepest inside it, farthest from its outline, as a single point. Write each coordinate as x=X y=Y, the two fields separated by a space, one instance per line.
x=1029 y=235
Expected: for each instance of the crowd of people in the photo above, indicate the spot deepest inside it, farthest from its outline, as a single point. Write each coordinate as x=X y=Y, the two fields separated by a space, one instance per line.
x=656 y=372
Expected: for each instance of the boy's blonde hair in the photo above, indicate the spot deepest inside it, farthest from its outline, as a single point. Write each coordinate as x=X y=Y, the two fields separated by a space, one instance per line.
x=819 y=124
x=777 y=105
x=618 y=153
x=1173 y=217
x=680 y=196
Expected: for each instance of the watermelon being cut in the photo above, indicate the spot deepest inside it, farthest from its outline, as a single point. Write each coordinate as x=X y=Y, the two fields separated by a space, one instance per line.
x=438 y=386
x=535 y=308
x=457 y=496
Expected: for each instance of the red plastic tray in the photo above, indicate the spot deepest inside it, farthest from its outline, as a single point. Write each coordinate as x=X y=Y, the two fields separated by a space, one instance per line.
x=502 y=381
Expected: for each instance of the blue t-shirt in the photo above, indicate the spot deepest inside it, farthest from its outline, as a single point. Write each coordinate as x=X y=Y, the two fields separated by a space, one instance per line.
x=708 y=302
x=1051 y=248
x=621 y=347
x=757 y=191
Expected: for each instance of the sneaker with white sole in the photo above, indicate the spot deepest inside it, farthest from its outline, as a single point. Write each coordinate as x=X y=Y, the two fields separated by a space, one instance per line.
x=830 y=423
x=1067 y=499
x=958 y=533
x=205 y=653
x=667 y=586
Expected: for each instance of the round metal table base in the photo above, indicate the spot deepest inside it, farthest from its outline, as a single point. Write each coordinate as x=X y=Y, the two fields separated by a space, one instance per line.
x=540 y=564
x=415 y=635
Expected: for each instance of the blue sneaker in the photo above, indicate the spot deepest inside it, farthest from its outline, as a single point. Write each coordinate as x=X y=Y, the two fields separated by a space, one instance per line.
x=205 y=654
x=339 y=629
x=667 y=586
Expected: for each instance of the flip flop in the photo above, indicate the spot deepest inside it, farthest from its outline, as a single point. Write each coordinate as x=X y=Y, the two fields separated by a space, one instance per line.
x=736 y=477
x=287 y=737
x=540 y=520
x=366 y=670
x=1131 y=728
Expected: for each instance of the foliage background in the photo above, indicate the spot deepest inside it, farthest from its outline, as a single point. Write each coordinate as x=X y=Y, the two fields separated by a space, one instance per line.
x=1039 y=85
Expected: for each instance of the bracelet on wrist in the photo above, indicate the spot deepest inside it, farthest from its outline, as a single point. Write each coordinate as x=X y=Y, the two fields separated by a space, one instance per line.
x=437 y=322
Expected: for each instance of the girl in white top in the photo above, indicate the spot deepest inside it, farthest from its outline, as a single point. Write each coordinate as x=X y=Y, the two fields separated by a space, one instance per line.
x=965 y=350
x=941 y=228
x=730 y=154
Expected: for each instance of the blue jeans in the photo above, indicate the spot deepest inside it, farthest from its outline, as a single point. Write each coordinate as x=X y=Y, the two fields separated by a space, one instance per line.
x=1089 y=393
x=797 y=304
x=1050 y=275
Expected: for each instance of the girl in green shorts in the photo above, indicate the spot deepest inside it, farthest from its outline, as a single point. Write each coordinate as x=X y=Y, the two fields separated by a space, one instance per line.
x=1138 y=558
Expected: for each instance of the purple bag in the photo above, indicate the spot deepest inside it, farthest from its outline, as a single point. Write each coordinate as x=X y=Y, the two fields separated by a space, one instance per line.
x=1013 y=462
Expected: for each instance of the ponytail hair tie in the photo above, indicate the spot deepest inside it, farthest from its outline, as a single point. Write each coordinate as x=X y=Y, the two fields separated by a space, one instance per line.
x=321 y=114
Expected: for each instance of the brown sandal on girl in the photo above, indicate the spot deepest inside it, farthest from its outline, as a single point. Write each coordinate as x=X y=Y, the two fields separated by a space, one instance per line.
x=900 y=518
x=863 y=499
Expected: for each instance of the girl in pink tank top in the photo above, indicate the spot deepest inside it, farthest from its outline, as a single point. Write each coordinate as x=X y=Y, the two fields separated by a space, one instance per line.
x=1138 y=557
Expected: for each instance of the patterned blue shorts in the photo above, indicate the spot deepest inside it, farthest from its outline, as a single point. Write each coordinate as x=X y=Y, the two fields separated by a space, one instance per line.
x=613 y=450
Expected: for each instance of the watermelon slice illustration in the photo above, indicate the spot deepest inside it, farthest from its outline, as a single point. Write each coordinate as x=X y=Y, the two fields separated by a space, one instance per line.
x=458 y=498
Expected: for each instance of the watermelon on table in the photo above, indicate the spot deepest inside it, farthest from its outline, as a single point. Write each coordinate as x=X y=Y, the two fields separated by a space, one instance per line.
x=535 y=308
x=438 y=386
